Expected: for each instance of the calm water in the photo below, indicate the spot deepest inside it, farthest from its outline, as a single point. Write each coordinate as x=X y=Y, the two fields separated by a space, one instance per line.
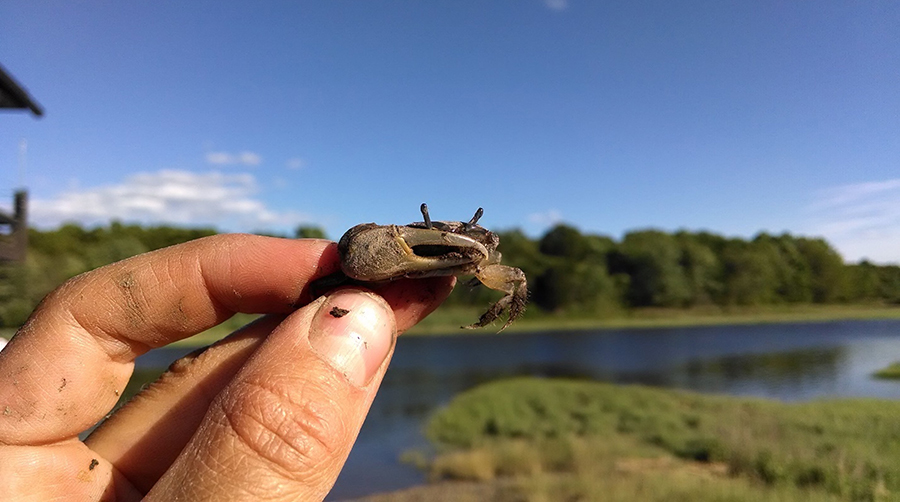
x=784 y=361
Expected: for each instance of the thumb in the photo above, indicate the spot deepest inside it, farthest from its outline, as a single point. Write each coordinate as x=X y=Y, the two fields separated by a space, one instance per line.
x=282 y=429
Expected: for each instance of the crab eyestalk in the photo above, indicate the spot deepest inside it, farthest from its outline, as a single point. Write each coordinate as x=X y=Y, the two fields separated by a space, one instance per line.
x=424 y=209
x=474 y=220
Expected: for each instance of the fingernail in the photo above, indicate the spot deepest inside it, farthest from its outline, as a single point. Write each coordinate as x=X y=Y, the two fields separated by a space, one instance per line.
x=353 y=331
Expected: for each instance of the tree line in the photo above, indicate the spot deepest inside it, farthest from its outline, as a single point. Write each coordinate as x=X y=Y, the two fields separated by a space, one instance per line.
x=568 y=271
x=576 y=272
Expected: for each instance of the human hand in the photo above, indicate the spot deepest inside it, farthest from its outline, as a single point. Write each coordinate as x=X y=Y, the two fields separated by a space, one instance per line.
x=268 y=413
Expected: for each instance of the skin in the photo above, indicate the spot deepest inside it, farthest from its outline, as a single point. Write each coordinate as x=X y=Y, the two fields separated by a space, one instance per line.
x=268 y=413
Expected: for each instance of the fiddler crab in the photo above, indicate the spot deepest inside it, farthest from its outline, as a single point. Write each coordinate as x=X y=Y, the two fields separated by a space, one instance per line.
x=372 y=253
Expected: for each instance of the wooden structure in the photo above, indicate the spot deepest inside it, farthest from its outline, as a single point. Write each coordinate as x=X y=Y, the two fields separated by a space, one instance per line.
x=14 y=227
x=14 y=96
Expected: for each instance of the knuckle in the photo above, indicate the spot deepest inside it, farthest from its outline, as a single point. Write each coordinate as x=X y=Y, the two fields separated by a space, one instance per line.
x=295 y=426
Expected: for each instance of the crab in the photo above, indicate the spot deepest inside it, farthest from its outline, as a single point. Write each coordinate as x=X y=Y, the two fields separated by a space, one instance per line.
x=372 y=253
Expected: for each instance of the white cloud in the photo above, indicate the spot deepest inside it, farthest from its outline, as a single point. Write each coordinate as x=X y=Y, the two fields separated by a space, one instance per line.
x=853 y=193
x=280 y=183
x=557 y=4
x=295 y=164
x=244 y=158
x=249 y=159
x=546 y=219
x=862 y=220
x=169 y=196
x=219 y=158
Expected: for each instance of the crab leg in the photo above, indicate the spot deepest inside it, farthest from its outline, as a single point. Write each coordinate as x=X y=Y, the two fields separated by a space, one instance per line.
x=509 y=280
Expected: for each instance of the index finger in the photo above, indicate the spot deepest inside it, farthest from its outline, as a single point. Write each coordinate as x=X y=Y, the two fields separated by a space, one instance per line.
x=66 y=366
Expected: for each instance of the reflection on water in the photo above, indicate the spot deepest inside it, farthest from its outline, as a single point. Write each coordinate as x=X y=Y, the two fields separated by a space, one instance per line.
x=777 y=367
x=762 y=374
x=783 y=361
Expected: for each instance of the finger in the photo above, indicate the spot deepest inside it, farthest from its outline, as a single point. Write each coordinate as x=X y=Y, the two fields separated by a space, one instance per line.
x=282 y=429
x=67 y=471
x=159 y=421
x=65 y=368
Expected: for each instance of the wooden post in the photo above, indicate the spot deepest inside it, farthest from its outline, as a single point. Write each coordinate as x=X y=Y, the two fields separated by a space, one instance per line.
x=14 y=245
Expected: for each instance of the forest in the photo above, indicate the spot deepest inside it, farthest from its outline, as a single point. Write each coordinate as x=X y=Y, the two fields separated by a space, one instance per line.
x=569 y=272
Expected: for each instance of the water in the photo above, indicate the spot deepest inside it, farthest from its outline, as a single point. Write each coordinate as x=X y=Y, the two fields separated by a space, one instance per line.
x=789 y=362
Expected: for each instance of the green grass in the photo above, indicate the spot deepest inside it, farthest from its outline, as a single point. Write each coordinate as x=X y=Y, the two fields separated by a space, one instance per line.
x=891 y=372
x=448 y=319
x=201 y=339
x=594 y=437
x=216 y=332
x=588 y=469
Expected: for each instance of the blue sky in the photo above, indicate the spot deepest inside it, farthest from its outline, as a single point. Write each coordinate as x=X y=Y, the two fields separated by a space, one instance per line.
x=733 y=117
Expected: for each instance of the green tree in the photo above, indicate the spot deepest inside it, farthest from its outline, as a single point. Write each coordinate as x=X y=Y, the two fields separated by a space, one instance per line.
x=864 y=282
x=749 y=277
x=309 y=232
x=789 y=269
x=564 y=241
x=520 y=251
x=652 y=259
x=114 y=249
x=702 y=270
x=567 y=271
x=57 y=255
x=577 y=287
x=163 y=236
x=889 y=283
x=827 y=269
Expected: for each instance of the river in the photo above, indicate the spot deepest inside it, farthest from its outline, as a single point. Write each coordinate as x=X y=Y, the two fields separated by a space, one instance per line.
x=790 y=362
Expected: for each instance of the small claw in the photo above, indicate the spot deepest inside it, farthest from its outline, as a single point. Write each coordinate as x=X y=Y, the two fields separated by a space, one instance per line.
x=492 y=314
x=514 y=302
x=517 y=305
x=511 y=281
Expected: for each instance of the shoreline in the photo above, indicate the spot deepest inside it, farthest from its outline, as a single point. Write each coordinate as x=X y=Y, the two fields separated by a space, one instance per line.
x=512 y=436
x=446 y=321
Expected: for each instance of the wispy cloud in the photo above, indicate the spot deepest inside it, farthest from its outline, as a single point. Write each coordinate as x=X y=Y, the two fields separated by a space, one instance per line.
x=547 y=218
x=862 y=220
x=169 y=196
x=850 y=194
x=295 y=164
x=244 y=158
x=557 y=4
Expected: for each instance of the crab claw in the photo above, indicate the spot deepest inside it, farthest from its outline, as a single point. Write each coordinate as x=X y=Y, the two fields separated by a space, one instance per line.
x=511 y=281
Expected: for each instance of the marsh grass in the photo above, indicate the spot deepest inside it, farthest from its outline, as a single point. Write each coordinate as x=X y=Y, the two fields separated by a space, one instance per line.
x=201 y=339
x=218 y=332
x=597 y=470
x=449 y=319
x=890 y=372
x=577 y=436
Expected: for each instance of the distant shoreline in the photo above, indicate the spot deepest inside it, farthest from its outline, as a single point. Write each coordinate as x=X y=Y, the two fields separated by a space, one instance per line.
x=446 y=321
